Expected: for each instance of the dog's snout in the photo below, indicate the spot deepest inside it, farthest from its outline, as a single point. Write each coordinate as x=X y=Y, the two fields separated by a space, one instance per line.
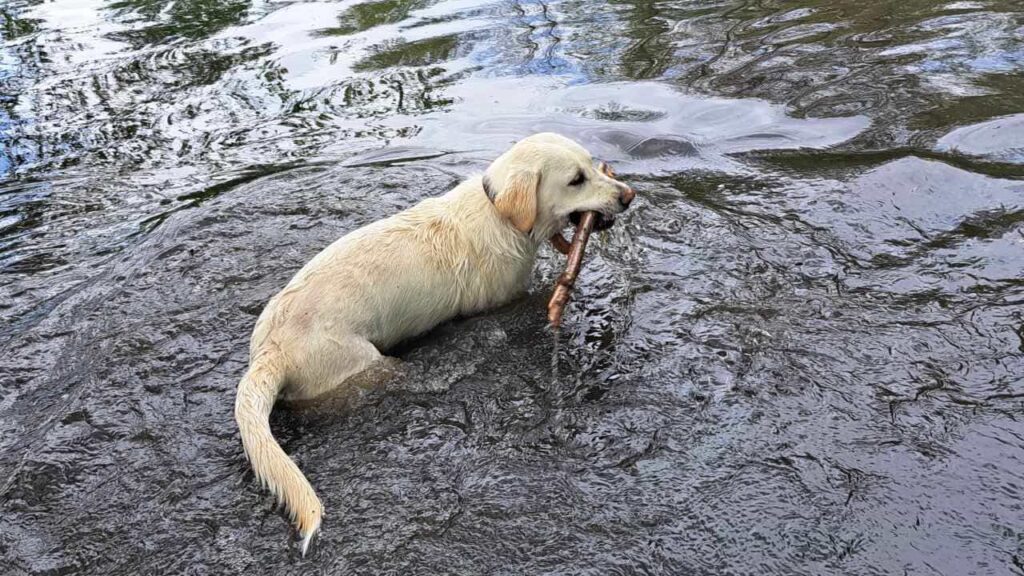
x=626 y=197
x=626 y=193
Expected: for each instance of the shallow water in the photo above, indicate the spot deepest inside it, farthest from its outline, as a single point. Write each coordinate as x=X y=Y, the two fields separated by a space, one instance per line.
x=801 y=352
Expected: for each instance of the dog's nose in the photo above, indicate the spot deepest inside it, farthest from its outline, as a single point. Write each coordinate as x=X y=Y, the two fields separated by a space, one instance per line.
x=627 y=197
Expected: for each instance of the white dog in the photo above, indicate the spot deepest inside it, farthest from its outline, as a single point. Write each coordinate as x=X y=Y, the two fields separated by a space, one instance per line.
x=466 y=251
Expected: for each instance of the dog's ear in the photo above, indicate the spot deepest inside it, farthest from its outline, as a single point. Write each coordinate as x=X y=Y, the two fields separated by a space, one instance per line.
x=517 y=200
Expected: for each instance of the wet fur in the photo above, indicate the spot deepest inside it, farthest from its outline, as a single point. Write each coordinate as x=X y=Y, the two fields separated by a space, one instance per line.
x=466 y=251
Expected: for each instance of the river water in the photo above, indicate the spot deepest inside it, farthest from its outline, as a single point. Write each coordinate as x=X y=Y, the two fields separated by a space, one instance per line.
x=801 y=352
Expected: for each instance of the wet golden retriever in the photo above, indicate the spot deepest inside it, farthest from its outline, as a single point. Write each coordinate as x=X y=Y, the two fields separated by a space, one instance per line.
x=466 y=251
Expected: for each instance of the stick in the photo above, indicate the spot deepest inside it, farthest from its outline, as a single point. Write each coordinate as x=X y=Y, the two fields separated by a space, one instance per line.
x=566 y=281
x=560 y=243
x=574 y=251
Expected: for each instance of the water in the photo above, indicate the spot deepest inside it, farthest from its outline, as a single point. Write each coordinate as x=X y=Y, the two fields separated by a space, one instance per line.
x=801 y=352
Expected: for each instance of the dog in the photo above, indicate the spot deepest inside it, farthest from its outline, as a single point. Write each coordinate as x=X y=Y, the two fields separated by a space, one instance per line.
x=466 y=251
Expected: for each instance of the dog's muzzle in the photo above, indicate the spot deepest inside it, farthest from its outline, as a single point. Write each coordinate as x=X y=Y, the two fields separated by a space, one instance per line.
x=626 y=196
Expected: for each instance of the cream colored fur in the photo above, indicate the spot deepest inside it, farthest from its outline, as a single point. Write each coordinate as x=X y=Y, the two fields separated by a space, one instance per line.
x=452 y=255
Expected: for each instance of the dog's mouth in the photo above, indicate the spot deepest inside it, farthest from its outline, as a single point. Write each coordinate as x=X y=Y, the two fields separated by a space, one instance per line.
x=604 y=221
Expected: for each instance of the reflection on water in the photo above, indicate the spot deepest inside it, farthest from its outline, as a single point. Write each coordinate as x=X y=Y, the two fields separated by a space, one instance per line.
x=800 y=353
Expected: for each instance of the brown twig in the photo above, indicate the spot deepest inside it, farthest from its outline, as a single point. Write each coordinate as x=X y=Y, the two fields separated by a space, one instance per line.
x=560 y=243
x=567 y=280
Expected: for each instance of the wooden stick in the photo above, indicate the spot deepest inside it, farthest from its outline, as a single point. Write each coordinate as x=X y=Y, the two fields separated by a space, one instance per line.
x=567 y=280
x=560 y=243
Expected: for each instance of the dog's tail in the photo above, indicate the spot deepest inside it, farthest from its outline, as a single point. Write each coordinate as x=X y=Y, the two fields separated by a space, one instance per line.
x=256 y=395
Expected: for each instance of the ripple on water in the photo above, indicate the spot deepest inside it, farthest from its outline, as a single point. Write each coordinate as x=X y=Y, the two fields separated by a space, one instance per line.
x=643 y=127
x=999 y=139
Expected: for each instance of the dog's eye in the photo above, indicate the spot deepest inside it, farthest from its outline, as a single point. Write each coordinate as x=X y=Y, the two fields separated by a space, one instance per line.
x=579 y=179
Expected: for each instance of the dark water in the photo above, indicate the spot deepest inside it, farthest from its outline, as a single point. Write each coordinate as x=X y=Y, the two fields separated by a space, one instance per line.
x=802 y=352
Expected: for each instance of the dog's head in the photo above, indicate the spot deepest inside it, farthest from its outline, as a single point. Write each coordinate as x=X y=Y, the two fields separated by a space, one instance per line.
x=546 y=178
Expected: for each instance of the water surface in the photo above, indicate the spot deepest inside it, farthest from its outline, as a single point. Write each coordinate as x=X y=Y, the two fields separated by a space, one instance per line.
x=801 y=352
